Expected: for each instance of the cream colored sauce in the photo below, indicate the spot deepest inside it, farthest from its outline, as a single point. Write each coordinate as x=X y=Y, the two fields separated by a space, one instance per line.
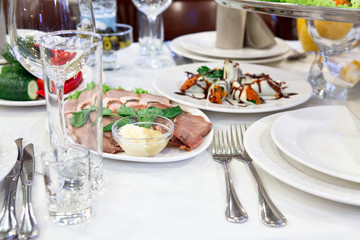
x=141 y=148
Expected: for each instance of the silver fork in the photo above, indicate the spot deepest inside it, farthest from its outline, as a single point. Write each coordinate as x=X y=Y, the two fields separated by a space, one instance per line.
x=221 y=152
x=269 y=213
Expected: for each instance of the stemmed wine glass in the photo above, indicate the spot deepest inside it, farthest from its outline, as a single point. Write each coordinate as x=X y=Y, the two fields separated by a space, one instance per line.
x=29 y=19
x=69 y=47
x=152 y=9
x=329 y=44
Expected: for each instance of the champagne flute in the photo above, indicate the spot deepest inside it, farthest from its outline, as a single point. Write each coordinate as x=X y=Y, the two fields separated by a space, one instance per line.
x=331 y=38
x=65 y=54
x=152 y=9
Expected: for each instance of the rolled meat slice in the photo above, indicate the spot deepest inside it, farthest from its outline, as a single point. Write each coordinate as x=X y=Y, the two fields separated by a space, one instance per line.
x=218 y=91
x=244 y=94
x=232 y=71
x=264 y=85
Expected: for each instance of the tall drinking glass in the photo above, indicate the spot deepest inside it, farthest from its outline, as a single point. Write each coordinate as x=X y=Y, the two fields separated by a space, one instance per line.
x=66 y=54
x=152 y=9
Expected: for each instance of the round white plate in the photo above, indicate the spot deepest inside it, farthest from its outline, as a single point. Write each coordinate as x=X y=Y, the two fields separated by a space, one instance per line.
x=263 y=151
x=176 y=47
x=8 y=154
x=204 y=43
x=325 y=138
x=169 y=81
x=170 y=154
x=87 y=73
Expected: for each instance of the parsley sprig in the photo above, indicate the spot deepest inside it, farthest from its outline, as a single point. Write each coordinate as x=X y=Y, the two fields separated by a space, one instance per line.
x=210 y=73
x=144 y=115
x=78 y=119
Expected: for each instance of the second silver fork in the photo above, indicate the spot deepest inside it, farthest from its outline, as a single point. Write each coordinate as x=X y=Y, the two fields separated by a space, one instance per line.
x=221 y=152
x=269 y=214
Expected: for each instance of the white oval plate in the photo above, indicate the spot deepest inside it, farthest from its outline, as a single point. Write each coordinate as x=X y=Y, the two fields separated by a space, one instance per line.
x=204 y=43
x=8 y=154
x=169 y=81
x=261 y=148
x=325 y=138
x=170 y=154
x=176 y=47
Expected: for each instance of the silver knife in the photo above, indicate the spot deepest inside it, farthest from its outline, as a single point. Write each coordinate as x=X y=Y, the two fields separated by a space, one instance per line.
x=8 y=222
x=353 y=99
x=28 y=226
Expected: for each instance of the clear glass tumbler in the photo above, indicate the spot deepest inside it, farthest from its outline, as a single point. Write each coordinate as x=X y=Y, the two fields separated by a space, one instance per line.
x=67 y=183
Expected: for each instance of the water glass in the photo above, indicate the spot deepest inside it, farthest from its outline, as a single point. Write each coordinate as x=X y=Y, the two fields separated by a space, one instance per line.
x=67 y=183
x=150 y=41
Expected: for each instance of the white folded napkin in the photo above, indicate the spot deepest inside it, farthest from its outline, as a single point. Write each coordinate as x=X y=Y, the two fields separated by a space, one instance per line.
x=2 y=29
x=237 y=28
x=230 y=27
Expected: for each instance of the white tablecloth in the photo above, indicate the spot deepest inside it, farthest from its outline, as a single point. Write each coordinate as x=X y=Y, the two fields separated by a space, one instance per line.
x=185 y=199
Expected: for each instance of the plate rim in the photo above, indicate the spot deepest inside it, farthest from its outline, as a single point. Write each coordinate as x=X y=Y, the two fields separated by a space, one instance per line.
x=306 y=97
x=299 y=159
x=211 y=34
x=11 y=154
x=178 y=49
x=280 y=169
x=165 y=159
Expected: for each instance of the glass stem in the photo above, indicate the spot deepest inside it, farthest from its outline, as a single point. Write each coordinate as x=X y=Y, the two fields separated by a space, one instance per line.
x=152 y=33
x=60 y=97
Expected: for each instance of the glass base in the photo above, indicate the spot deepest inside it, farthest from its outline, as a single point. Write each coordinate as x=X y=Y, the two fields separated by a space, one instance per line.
x=154 y=63
x=326 y=89
x=70 y=218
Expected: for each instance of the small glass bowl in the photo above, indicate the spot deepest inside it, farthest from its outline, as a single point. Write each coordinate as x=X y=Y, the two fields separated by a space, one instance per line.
x=135 y=142
x=115 y=39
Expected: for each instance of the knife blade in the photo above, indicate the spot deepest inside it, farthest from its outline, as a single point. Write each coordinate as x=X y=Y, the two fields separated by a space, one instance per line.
x=353 y=99
x=8 y=221
x=28 y=226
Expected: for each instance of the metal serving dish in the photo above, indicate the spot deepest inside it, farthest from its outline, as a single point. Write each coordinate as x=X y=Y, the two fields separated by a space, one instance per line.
x=296 y=11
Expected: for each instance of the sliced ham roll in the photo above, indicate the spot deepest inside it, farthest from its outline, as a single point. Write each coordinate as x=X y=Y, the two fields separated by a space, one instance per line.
x=232 y=71
x=218 y=91
x=264 y=85
x=244 y=94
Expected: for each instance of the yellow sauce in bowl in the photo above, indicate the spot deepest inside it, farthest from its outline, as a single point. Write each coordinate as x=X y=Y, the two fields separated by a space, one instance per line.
x=141 y=141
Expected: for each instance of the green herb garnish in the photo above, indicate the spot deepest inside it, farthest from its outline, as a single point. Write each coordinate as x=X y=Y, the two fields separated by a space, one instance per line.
x=139 y=91
x=78 y=119
x=210 y=73
x=107 y=88
x=13 y=66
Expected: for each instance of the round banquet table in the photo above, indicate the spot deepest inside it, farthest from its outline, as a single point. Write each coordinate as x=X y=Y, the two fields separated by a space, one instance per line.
x=183 y=199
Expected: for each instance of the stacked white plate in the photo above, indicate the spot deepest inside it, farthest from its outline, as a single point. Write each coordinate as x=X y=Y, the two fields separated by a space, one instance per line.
x=201 y=47
x=313 y=149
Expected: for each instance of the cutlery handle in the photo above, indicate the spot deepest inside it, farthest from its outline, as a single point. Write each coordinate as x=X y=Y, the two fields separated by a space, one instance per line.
x=28 y=226
x=270 y=215
x=234 y=211
x=8 y=223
